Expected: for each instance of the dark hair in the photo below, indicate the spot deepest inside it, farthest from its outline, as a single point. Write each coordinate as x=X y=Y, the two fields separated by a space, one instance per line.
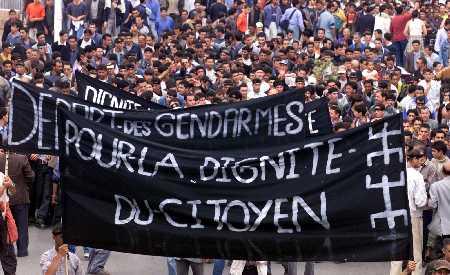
x=361 y=108
x=106 y=35
x=339 y=125
x=438 y=131
x=335 y=108
x=352 y=84
x=57 y=229
x=439 y=146
x=388 y=36
x=415 y=153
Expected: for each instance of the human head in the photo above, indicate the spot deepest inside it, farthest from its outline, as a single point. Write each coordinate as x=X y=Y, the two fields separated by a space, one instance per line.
x=378 y=111
x=163 y=12
x=446 y=249
x=102 y=72
x=12 y=14
x=439 y=135
x=415 y=45
x=414 y=157
x=438 y=149
x=424 y=133
x=57 y=234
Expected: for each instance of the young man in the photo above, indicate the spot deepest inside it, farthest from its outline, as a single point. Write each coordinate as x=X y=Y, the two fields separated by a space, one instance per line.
x=417 y=197
x=13 y=19
x=439 y=151
x=53 y=260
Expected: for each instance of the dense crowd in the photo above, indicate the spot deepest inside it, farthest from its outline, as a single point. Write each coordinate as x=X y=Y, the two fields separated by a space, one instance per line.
x=369 y=59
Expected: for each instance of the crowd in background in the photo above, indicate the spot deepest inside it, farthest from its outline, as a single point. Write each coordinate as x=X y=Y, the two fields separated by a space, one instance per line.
x=370 y=59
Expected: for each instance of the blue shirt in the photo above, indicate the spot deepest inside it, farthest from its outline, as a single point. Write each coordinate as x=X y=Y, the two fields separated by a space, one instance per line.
x=13 y=39
x=296 y=19
x=327 y=22
x=154 y=6
x=162 y=101
x=165 y=25
x=443 y=53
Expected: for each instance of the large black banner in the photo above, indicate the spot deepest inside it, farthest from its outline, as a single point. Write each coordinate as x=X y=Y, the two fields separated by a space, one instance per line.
x=104 y=94
x=33 y=121
x=333 y=197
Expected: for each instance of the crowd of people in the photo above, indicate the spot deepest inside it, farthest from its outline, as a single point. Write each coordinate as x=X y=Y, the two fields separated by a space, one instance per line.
x=370 y=59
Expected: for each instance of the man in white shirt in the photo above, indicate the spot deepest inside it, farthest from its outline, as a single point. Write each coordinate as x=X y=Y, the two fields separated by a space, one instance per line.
x=53 y=261
x=256 y=91
x=417 y=197
x=432 y=87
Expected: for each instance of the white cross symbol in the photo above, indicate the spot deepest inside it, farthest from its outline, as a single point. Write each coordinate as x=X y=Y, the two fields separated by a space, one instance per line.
x=383 y=135
x=388 y=214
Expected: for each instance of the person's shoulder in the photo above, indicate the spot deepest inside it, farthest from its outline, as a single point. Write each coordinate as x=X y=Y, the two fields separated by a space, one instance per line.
x=413 y=172
x=441 y=184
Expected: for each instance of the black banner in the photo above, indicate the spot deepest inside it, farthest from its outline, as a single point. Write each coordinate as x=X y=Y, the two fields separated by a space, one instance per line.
x=325 y=198
x=104 y=94
x=33 y=121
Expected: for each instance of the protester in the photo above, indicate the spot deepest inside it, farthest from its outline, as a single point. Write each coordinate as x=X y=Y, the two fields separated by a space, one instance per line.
x=417 y=197
x=53 y=261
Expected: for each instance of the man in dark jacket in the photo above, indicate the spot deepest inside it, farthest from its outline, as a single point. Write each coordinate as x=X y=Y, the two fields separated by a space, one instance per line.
x=365 y=21
x=22 y=176
x=218 y=10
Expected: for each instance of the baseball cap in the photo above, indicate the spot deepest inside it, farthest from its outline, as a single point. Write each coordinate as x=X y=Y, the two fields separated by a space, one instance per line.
x=342 y=70
x=259 y=25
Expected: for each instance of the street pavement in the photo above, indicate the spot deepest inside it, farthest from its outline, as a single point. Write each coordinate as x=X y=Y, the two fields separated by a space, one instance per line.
x=132 y=264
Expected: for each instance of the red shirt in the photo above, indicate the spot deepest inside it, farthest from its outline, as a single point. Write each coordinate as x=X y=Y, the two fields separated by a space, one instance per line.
x=35 y=10
x=398 y=24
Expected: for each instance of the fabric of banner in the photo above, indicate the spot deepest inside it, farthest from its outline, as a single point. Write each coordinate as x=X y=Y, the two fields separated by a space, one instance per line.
x=105 y=94
x=33 y=121
x=334 y=197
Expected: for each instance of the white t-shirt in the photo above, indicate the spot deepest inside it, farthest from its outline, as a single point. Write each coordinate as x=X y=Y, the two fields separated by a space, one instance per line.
x=415 y=27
